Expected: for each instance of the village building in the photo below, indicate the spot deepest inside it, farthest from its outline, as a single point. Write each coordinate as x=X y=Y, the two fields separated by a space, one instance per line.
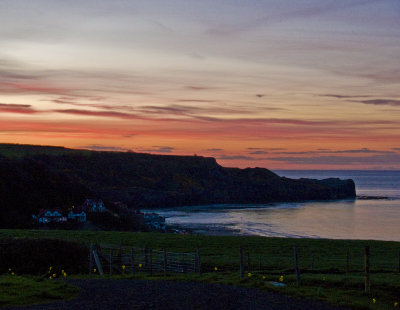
x=77 y=215
x=93 y=205
x=155 y=221
x=50 y=216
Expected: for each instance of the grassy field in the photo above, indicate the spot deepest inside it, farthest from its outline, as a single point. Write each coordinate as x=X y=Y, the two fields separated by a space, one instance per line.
x=22 y=290
x=331 y=270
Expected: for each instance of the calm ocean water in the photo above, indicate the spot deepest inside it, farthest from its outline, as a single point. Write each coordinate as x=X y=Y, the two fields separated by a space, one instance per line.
x=344 y=219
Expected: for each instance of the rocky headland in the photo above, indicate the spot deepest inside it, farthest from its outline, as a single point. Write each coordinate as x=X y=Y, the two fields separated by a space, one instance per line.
x=41 y=176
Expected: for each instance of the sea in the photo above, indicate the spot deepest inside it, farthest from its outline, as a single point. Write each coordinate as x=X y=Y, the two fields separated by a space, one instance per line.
x=360 y=218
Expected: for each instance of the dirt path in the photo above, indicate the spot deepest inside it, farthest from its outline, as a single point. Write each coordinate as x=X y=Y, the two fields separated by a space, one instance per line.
x=169 y=295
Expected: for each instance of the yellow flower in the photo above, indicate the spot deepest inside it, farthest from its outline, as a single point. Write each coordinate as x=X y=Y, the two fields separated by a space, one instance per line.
x=281 y=279
x=215 y=268
x=54 y=275
x=323 y=278
x=64 y=274
x=140 y=265
x=249 y=274
x=9 y=269
x=50 y=268
x=50 y=277
x=12 y=273
x=264 y=277
x=94 y=270
x=123 y=267
x=396 y=304
x=373 y=300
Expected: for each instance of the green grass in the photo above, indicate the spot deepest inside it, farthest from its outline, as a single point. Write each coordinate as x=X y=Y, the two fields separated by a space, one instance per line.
x=23 y=290
x=274 y=253
x=270 y=257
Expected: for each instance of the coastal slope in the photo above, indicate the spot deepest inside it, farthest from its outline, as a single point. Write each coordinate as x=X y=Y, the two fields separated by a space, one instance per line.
x=146 y=180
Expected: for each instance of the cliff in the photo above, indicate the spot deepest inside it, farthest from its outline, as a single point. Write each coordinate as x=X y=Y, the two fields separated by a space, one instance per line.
x=146 y=181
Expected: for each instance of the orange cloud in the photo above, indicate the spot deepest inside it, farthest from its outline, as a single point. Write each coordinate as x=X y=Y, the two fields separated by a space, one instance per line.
x=16 y=108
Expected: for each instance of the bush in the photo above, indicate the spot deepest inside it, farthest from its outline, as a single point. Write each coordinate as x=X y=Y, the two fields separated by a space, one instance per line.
x=35 y=256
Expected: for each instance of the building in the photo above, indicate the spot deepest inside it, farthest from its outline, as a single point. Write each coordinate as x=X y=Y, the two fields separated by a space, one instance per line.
x=154 y=221
x=50 y=216
x=93 y=205
x=78 y=216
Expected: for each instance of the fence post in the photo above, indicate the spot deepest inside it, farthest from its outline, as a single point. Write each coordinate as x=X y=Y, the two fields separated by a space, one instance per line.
x=165 y=262
x=132 y=260
x=312 y=261
x=151 y=261
x=248 y=262
x=348 y=260
x=399 y=263
x=367 y=270
x=183 y=265
x=241 y=262
x=98 y=262
x=120 y=254
x=146 y=259
x=111 y=261
x=199 y=261
x=296 y=264
x=91 y=259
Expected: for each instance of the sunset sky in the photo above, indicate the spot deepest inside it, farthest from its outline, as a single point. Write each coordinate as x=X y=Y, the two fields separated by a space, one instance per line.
x=305 y=84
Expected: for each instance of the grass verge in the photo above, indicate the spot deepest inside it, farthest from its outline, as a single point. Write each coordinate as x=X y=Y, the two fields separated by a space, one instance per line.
x=23 y=290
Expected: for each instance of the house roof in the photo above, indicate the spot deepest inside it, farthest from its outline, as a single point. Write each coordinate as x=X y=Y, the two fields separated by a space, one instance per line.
x=43 y=211
x=88 y=200
x=75 y=212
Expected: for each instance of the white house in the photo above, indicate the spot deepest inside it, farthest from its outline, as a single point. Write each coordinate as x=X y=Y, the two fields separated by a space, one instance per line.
x=50 y=216
x=79 y=216
x=94 y=205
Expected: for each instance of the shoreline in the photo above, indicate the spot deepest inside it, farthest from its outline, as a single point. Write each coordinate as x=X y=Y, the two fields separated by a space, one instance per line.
x=222 y=232
x=348 y=220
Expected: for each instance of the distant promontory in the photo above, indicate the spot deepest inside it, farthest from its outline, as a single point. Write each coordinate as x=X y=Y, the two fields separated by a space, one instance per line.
x=33 y=177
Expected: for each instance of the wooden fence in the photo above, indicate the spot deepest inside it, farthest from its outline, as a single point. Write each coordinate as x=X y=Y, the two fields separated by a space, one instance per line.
x=352 y=265
x=111 y=259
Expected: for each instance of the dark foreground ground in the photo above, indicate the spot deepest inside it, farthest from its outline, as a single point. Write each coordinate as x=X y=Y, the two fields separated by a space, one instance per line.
x=144 y=294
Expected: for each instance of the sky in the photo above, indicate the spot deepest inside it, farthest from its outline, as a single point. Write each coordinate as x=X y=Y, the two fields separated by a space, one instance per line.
x=280 y=84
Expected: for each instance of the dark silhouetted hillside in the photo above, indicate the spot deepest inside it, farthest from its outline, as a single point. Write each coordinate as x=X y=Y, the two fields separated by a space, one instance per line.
x=31 y=179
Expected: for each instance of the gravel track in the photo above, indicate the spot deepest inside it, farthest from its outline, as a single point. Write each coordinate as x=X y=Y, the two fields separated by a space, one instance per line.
x=170 y=295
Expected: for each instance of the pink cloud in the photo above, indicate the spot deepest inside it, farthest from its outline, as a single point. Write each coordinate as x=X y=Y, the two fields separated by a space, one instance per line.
x=30 y=88
x=16 y=108
x=98 y=113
